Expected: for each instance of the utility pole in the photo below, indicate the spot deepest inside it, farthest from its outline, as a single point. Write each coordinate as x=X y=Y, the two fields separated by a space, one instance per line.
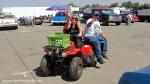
x=1 y=10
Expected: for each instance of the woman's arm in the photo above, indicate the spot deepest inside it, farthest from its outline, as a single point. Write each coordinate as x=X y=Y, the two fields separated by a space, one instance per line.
x=80 y=28
x=67 y=24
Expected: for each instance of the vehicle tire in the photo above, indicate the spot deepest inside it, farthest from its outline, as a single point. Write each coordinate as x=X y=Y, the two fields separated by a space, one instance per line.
x=16 y=27
x=118 y=23
x=90 y=60
x=148 y=19
x=75 y=69
x=132 y=21
x=46 y=66
x=55 y=23
x=93 y=60
x=105 y=23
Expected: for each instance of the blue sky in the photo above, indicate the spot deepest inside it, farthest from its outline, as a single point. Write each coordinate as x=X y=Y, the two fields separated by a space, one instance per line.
x=14 y=3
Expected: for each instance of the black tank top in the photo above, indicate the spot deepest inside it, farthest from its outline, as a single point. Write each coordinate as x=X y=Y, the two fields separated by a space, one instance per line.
x=73 y=31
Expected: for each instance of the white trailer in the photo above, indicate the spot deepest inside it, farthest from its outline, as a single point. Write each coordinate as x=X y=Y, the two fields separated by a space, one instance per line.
x=25 y=11
x=144 y=15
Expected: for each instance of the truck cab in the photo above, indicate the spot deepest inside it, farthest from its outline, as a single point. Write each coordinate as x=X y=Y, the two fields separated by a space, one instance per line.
x=106 y=16
x=60 y=17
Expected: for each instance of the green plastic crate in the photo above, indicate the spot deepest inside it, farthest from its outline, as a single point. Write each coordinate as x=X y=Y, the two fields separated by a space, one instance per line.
x=59 y=40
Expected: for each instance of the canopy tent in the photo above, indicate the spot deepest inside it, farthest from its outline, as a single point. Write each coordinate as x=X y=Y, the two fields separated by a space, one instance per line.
x=58 y=7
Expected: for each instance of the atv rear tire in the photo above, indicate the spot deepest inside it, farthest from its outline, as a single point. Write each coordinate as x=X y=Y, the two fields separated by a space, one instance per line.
x=75 y=69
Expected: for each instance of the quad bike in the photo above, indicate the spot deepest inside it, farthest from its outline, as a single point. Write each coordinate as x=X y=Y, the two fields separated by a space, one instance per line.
x=72 y=58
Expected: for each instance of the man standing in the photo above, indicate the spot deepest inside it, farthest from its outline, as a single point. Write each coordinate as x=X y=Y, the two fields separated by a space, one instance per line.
x=94 y=36
x=128 y=19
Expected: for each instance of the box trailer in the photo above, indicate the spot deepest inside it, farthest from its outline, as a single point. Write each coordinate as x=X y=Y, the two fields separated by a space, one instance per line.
x=144 y=15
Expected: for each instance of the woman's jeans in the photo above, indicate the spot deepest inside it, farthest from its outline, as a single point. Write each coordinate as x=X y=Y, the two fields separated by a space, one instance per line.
x=76 y=39
x=99 y=44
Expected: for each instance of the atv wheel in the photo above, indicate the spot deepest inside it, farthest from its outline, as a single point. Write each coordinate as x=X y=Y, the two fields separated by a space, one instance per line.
x=75 y=69
x=46 y=66
x=93 y=60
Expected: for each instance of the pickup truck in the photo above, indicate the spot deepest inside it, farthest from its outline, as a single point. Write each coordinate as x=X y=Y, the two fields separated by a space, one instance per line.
x=60 y=17
x=9 y=21
x=106 y=16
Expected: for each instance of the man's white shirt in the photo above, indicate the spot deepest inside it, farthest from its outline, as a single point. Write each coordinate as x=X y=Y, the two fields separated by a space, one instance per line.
x=94 y=29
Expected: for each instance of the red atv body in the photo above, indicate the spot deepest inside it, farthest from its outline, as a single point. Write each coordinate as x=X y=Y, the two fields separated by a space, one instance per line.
x=72 y=58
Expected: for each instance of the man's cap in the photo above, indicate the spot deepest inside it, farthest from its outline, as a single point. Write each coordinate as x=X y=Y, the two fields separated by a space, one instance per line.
x=96 y=13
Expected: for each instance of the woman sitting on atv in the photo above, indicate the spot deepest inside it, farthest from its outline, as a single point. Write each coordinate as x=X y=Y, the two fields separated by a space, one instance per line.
x=73 y=27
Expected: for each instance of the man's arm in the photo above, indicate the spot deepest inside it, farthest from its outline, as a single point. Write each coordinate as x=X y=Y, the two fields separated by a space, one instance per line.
x=89 y=22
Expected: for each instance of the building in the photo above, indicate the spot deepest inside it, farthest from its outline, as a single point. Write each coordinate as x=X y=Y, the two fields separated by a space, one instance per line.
x=32 y=11
x=73 y=8
x=25 y=11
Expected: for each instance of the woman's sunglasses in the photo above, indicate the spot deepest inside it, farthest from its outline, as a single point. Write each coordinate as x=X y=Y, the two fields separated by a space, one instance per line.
x=74 y=18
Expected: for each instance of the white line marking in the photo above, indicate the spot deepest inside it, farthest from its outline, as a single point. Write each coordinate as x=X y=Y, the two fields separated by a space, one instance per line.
x=22 y=73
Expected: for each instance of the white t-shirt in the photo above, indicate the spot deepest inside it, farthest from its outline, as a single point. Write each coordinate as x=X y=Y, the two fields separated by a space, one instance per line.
x=94 y=29
x=129 y=16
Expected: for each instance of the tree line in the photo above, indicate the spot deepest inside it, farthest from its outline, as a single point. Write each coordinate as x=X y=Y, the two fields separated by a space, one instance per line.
x=129 y=4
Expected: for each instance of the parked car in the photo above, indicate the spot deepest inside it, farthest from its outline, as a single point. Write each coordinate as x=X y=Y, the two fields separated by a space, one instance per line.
x=45 y=19
x=37 y=21
x=141 y=76
x=106 y=16
x=9 y=21
x=60 y=17
x=25 y=21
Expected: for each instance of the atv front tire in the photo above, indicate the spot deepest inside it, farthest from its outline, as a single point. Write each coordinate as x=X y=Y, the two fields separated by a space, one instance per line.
x=75 y=69
x=46 y=66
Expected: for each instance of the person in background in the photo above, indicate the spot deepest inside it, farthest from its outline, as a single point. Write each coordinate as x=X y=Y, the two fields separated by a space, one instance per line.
x=94 y=36
x=128 y=19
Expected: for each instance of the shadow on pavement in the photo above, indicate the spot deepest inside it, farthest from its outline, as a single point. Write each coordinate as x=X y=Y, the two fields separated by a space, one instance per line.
x=38 y=72
x=109 y=25
x=7 y=28
x=58 y=72
x=61 y=24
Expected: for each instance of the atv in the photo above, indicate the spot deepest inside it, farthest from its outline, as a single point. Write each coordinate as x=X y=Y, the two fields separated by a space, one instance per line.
x=62 y=51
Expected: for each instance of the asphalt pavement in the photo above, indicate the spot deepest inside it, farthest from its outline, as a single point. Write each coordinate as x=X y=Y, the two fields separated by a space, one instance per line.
x=21 y=52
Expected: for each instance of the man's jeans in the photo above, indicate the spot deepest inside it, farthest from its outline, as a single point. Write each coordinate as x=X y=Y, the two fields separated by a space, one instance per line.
x=99 y=45
x=103 y=43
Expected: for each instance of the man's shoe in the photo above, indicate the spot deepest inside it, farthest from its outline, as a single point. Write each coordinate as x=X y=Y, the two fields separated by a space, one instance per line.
x=101 y=60
x=106 y=57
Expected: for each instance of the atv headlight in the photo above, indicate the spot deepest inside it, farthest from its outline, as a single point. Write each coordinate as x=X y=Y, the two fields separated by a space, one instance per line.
x=64 y=54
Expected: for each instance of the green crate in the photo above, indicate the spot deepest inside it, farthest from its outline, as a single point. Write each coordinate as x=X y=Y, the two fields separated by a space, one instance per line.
x=59 y=40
